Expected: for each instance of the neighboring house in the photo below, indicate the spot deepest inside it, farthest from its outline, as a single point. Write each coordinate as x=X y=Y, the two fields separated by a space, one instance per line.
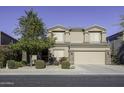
x=82 y=46
x=5 y=39
x=115 y=42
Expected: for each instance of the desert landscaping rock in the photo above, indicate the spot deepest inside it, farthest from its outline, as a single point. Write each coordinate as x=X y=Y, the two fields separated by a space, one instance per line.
x=78 y=70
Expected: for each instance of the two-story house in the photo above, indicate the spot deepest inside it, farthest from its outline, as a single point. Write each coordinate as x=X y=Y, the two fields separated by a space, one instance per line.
x=81 y=46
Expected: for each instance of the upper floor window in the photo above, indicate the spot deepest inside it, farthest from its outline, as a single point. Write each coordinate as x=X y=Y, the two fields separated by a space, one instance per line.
x=95 y=37
x=59 y=36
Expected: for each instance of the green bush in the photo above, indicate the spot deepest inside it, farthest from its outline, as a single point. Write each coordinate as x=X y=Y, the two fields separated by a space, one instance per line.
x=63 y=59
x=19 y=64
x=1 y=64
x=40 y=64
x=24 y=63
x=12 y=64
x=65 y=65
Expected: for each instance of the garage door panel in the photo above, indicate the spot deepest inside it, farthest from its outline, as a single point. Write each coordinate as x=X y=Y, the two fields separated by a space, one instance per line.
x=89 y=57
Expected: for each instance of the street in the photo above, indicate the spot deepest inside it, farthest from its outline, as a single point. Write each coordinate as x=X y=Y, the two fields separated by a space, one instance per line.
x=62 y=81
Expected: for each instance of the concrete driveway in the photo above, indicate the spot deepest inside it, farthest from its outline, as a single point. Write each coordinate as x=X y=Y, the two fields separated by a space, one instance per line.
x=101 y=68
x=56 y=70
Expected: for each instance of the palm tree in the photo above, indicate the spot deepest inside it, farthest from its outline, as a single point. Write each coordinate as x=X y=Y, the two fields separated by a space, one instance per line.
x=33 y=35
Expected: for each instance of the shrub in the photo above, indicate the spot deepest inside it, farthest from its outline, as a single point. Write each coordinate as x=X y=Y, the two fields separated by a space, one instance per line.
x=1 y=64
x=12 y=64
x=24 y=63
x=4 y=50
x=2 y=61
x=65 y=65
x=56 y=63
x=63 y=59
x=19 y=64
x=40 y=64
x=115 y=59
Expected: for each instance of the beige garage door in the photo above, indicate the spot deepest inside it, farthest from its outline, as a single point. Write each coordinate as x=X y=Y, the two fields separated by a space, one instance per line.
x=89 y=57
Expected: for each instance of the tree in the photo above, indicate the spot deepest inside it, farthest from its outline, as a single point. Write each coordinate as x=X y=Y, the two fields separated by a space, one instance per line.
x=30 y=26
x=118 y=57
x=120 y=53
x=6 y=53
x=33 y=34
x=33 y=46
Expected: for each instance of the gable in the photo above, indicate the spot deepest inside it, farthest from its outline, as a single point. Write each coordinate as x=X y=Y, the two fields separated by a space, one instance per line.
x=57 y=28
x=95 y=28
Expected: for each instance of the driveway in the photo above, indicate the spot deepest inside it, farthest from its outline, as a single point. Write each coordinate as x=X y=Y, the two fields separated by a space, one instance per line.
x=102 y=68
x=56 y=70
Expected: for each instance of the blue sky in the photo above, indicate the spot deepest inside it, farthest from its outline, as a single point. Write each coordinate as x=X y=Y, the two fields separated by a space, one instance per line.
x=108 y=17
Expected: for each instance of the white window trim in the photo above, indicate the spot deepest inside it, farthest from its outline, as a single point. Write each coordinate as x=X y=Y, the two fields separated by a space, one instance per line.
x=92 y=38
x=59 y=41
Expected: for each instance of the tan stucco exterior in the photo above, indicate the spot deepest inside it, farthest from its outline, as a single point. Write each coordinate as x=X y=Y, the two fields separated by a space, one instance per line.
x=65 y=49
x=78 y=48
x=76 y=37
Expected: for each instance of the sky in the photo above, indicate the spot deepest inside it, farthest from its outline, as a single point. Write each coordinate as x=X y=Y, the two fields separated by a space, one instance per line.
x=68 y=16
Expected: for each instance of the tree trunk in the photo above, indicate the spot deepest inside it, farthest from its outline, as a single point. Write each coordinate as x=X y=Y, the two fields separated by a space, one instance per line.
x=30 y=56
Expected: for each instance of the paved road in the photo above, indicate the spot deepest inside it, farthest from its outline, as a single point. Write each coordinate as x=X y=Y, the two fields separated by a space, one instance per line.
x=62 y=81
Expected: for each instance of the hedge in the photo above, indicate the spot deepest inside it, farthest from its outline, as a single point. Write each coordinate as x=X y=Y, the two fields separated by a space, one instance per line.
x=65 y=65
x=19 y=64
x=12 y=64
x=1 y=64
x=40 y=64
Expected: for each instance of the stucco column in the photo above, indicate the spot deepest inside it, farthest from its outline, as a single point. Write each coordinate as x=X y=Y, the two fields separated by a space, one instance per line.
x=24 y=56
x=86 y=35
x=103 y=37
x=67 y=36
x=108 y=58
x=71 y=58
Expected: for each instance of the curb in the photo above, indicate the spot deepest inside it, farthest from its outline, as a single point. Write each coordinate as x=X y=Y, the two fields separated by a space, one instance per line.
x=100 y=74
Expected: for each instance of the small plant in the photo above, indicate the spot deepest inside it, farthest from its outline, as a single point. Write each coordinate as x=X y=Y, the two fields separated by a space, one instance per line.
x=12 y=64
x=24 y=63
x=1 y=65
x=56 y=63
x=40 y=64
x=65 y=65
x=115 y=59
x=63 y=59
x=19 y=64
